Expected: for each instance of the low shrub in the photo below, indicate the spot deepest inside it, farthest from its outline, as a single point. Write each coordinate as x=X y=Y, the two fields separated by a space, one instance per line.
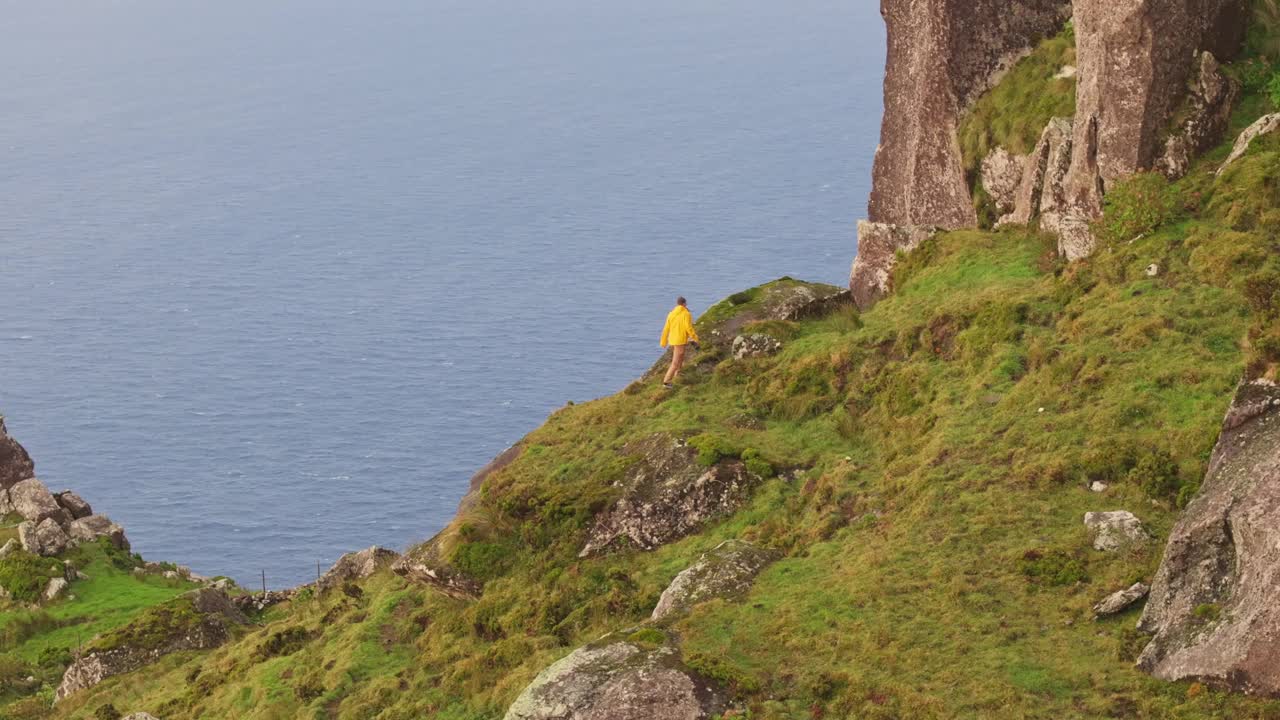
x=25 y=575
x=1136 y=206
x=1053 y=568
x=712 y=448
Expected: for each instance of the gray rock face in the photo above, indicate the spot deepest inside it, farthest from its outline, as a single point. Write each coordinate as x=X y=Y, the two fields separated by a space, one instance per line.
x=1213 y=606
x=1209 y=103
x=1261 y=126
x=667 y=496
x=212 y=628
x=89 y=529
x=356 y=565
x=15 y=463
x=725 y=571
x=33 y=501
x=1121 y=600
x=618 y=681
x=1115 y=529
x=755 y=345
x=1002 y=177
x=56 y=588
x=1041 y=191
x=73 y=504
x=1135 y=57
x=878 y=246
x=943 y=54
x=45 y=538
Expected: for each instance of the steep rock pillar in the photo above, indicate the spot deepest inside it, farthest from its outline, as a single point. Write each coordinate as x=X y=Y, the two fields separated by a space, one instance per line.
x=1135 y=58
x=942 y=55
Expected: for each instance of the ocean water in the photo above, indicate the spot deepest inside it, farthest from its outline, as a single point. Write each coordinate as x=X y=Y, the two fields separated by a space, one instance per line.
x=276 y=278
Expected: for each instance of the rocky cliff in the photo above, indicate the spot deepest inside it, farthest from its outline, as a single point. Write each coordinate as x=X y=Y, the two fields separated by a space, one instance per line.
x=1149 y=95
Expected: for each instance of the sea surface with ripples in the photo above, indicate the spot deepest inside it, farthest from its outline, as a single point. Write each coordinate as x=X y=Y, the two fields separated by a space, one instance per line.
x=277 y=277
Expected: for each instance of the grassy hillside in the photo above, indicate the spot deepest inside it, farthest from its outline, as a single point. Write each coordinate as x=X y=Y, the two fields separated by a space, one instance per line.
x=927 y=466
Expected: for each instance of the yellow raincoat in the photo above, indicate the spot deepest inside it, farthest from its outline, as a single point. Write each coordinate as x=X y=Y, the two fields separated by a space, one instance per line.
x=679 y=328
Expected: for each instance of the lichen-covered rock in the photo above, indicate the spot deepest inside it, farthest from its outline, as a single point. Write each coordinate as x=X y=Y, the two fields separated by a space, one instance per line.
x=45 y=538
x=199 y=620
x=356 y=566
x=1115 y=529
x=668 y=495
x=33 y=501
x=618 y=680
x=56 y=588
x=89 y=529
x=725 y=571
x=943 y=54
x=1002 y=177
x=1121 y=600
x=878 y=246
x=1134 y=59
x=1213 y=608
x=1261 y=126
x=426 y=564
x=15 y=463
x=9 y=546
x=73 y=504
x=1207 y=114
x=1041 y=190
x=755 y=345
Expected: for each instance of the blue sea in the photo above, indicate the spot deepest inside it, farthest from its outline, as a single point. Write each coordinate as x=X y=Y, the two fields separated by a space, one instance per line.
x=277 y=277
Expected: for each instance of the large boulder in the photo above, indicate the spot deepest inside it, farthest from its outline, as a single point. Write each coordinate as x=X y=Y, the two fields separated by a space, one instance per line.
x=878 y=246
x=199 y=620
x=1115 y=529
x=1134 y=58
x=33 y=501
x=73 y=504
x=356 y=566
x=668 y=495
x=619 y=680
x=45 y=538
x=942 y=55
x=1205 y=117
x=89 y=529
x=725 y=571
x=1213 y=609
x=15 y=463
x=1002 y=177
x=1261 y=126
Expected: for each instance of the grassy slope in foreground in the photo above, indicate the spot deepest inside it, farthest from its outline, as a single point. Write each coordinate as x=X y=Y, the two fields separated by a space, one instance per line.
x=936 y=564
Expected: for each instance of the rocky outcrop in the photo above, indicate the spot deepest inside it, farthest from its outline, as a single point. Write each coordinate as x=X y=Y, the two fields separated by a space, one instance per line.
x=45 y=538
x=1261 y=126
x=619 y=680
x=725 y=571
x=1121 y=600
x=1212 y=608
x=33 y=501
x=878 y=246
x=89 y=529
x=73 y=504
x=668 y=495
x=199 y=620
x=943 y=54
x=15 y=463
x=426 y=564
x=1134 y=58
x=1115 y=529
x=755 y=345
x=1002 y=177
x=1205 y=116
x=356 y=566
x=56 y=588
x=1041 y=191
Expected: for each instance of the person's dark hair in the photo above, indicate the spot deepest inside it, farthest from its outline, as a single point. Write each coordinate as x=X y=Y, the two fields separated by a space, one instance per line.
x=680 y=300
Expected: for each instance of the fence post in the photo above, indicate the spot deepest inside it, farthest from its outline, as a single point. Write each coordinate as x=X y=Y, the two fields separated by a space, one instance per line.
x=264 y=582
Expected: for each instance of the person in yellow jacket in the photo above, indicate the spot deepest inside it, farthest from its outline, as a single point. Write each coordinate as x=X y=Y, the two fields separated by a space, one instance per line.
x=677 y=334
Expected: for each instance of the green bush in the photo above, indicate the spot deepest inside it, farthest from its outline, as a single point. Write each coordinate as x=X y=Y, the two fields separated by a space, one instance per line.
x=25 y=575
x=1136 y=206
x=1156 y=473
x=757 y=465
x=712 y=448
x=1053 y=568
x=106 y=712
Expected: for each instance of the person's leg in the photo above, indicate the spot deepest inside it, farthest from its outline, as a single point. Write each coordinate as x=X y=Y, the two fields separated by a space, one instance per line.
x=677 y=359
